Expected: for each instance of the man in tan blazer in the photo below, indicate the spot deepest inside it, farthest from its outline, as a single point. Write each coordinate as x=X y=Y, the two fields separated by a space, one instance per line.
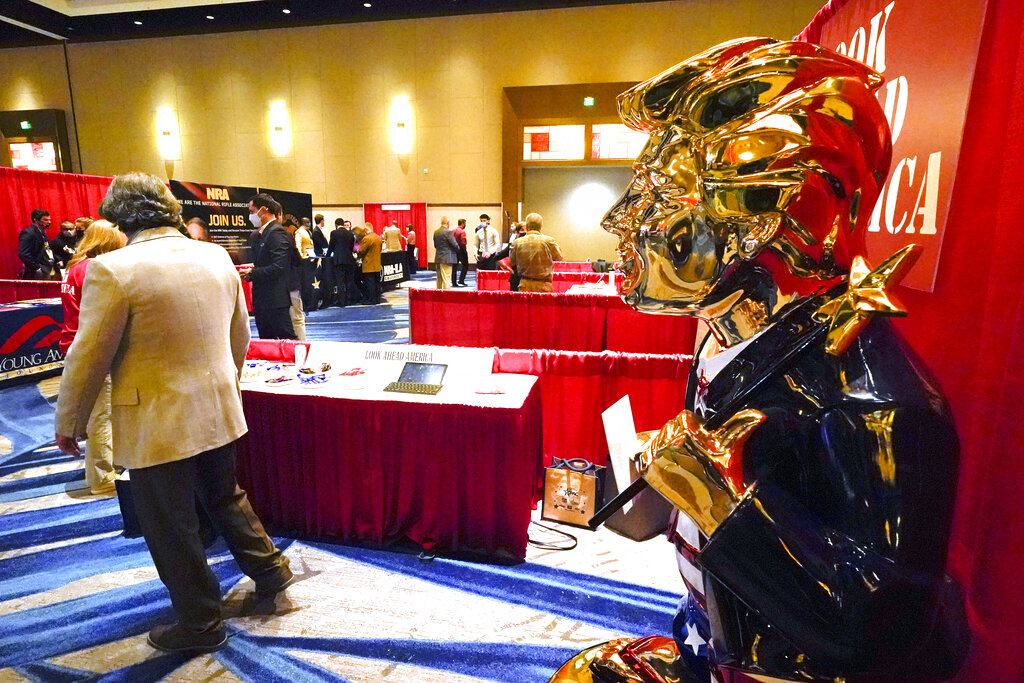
x=369 y=250
x=165 y=317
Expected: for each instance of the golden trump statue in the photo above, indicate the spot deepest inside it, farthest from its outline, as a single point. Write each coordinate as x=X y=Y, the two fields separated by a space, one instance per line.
x=815 y=464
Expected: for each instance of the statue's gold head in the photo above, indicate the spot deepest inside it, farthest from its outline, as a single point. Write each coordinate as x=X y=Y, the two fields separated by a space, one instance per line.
x=762 y=155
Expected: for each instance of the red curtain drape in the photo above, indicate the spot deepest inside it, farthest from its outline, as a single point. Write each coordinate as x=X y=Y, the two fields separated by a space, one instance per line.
x=415 y=215
x=970 y=333
x=65 y=195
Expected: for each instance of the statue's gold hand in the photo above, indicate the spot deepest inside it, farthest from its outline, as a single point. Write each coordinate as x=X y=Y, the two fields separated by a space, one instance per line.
x=699 y=471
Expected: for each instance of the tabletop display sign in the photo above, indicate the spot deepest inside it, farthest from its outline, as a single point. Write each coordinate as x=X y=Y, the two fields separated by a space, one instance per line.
x=30 y=331
x=573 y=491
x=927 y=52
x=225 y=208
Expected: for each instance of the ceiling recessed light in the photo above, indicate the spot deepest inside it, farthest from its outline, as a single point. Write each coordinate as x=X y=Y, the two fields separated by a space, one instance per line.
x=209 y=16
x=286 y=10
x=366 y=4
x=138 y=23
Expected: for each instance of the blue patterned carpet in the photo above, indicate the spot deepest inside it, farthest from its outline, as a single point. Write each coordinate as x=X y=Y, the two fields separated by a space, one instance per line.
x=77 y=598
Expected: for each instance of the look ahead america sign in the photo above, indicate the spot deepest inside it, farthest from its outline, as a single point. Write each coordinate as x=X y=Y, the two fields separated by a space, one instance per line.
x=927 y=52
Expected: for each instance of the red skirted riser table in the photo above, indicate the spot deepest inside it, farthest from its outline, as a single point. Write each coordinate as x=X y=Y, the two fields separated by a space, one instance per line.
x=576 y=387
x=573 y=267
x=530 y=320
x=446 y=475
x=25 y=290
x=498 y=280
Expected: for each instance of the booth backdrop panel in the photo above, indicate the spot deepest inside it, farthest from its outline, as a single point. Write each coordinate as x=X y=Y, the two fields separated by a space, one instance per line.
x=23 y=290
x=379 y=472
x=416 y=215
x=65 y=195
x=576 y=387
x=970 y=333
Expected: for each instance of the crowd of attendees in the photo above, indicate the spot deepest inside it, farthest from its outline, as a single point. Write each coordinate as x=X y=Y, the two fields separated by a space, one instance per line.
x=300 y=267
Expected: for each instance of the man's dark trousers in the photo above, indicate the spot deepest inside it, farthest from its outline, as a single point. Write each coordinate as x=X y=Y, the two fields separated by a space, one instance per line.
x=463 y=260
x=164 y=497
x=309 y=298
x=348 y=292
x=373 y=286
x=274 y=323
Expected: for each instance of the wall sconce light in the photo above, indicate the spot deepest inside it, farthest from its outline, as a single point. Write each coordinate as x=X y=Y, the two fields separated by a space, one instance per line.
x=168 y=139
x=280 y=129
x=401 y=125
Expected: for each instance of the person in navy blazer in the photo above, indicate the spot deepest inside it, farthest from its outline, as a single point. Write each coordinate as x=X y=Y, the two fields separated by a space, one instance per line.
x=271 y=256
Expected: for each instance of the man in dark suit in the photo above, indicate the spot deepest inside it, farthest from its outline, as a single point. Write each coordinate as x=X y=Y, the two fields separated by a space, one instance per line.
x=318 y=236
x=34 y=248
x=340 y=254
x=271 y=265
x=63 y=245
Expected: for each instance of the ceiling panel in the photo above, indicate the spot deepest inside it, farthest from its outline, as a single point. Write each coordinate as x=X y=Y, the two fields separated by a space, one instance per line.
x=85 y=23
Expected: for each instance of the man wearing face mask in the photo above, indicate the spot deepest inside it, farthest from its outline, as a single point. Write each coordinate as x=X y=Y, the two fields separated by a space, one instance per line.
x=271 y=256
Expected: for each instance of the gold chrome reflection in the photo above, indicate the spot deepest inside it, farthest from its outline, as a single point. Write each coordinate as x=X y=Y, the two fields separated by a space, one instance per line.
x=741 y=166
x=879 y=423
x=700 y=471
x=866 y=297
x=653 y=659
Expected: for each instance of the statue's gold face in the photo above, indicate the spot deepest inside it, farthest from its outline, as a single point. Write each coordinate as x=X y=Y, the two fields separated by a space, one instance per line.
x=761 y=153
x=670 y=250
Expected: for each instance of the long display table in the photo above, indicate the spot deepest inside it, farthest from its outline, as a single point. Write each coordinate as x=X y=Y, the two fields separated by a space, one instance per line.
x=529 y=320
x=498 y=280
x=456 y=472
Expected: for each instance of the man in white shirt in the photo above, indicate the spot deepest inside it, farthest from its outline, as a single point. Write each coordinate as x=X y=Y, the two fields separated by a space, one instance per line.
x=488 y=242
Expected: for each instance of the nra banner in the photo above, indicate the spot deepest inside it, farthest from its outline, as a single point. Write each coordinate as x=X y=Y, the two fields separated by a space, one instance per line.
x=30 y=331
x=226 y=209
x=927 y=52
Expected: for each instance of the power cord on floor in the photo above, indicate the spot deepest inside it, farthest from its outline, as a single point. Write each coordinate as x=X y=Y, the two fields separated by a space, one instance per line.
x=544 y=545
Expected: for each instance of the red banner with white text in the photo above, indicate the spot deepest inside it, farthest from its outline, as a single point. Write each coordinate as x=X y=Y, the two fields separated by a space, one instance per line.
x=927 y=52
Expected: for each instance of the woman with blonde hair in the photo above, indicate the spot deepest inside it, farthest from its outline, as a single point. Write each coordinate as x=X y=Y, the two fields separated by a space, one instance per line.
x=100 y=237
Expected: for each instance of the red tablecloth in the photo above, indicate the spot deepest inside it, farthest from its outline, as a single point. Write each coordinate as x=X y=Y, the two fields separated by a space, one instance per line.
x=23 y=290
x=447 y=477
x=529 y=320
x=497 y=280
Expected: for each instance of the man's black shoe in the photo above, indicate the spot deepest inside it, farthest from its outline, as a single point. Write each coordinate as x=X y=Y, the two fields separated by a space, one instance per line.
x=178 y=638
x=265 y=589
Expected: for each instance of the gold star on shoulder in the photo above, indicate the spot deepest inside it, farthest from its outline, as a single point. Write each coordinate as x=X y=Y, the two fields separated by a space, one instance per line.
x=866 y=297
x=316 y=284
